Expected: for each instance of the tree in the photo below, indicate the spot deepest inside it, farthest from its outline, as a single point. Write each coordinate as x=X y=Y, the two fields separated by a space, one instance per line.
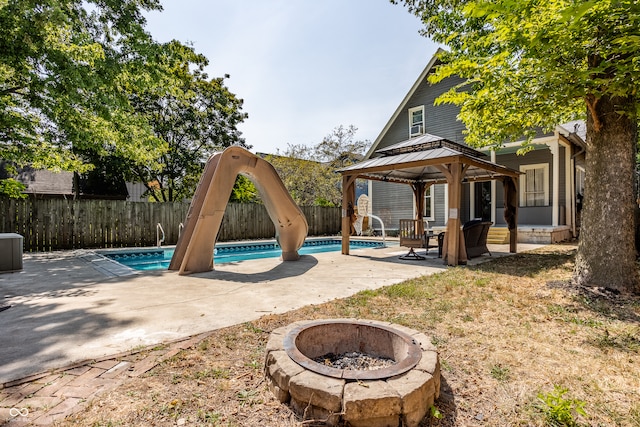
x=305 y=178
x=12 y=189
x=340 y=148
x=309 y=173
x=66 y=69
x=193 y=115
x=537 y=64
x=82 y=84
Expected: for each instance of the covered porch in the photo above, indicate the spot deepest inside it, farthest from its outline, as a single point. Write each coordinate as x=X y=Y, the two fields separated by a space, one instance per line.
x=426 y=160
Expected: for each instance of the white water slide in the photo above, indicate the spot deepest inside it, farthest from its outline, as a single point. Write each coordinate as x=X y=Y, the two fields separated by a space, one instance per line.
x=194 y=251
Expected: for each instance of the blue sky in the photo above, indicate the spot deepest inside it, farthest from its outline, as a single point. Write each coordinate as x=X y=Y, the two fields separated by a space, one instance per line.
x=303 y=67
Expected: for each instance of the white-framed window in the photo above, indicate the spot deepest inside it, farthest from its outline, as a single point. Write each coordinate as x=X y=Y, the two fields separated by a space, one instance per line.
x=429 y=204
x=580 y=180
x=416 y=121
x=534 y=185
x=580 y=175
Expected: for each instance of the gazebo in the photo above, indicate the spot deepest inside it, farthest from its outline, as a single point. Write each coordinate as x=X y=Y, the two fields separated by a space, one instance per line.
x=426 y=160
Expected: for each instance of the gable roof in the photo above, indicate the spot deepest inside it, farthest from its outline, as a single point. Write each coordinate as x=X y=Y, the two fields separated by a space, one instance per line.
x=405 y=100
x=574 y=132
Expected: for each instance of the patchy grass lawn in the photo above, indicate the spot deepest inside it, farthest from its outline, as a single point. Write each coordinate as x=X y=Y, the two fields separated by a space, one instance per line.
x=518 y=347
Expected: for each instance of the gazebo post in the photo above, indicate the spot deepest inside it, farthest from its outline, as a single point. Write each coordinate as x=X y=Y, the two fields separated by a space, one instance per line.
x=454 y=179
x=348 y=196
x=419 y=190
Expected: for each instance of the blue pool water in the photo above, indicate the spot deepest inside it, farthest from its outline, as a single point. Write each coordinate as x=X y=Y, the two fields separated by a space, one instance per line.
x=157 y=259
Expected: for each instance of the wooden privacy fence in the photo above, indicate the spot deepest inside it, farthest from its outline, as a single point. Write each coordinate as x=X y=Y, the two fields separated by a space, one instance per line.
x=53 y=224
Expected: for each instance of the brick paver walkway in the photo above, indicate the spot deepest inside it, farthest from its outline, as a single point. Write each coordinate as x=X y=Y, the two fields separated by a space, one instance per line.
x=45 y=398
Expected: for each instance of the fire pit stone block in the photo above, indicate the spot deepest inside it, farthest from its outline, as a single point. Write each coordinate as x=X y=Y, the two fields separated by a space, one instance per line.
x=275 y=339
x=417 y=390
x=317 y=390
x=371 y=404
x=280 y=368
x=431 y=364
x=424 y=341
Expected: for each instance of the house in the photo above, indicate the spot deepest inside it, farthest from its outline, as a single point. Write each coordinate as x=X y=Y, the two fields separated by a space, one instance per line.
x=46 y=184
x=550 y=185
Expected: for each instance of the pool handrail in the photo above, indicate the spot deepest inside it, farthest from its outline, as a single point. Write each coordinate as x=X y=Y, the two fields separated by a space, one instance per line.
x=159 y=229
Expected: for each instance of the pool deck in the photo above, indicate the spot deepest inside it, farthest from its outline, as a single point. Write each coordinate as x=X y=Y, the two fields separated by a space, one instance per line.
x=77 y=312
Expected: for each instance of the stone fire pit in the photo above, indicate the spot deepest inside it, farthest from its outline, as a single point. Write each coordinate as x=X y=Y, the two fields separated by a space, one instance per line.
x=400 y=394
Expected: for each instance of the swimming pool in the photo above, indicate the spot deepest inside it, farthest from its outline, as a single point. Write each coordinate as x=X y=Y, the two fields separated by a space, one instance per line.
x=158 y=259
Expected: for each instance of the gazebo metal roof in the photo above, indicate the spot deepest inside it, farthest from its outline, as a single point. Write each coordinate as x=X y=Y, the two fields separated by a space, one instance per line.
x=420 y=160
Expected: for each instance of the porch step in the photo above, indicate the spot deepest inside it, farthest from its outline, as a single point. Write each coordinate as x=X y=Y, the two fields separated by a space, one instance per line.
x=498 y=235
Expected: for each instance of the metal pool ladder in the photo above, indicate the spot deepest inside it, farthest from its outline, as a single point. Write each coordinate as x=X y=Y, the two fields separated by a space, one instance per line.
x=159 y=230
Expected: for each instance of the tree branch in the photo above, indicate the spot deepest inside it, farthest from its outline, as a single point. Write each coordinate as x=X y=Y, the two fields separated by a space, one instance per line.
x=592 y=102
x=15 y=90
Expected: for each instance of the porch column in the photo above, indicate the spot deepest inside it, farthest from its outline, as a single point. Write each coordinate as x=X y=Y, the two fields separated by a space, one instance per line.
x=493 y=191
x=555 y=186
x=511 y=210
x=348 y=196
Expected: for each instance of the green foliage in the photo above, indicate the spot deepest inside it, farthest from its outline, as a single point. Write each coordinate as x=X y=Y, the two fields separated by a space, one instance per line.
x=252 y=328
x=194 y=116
x=340 y=148
x=321 y=201
x=435 y=412
x=627 y=340
x=309 y=173
x=82 y=84
x=500 y=372
x=11 y=188
x=531 y=64
x=558 y=410
x=210 y=417
x=215 y=373
x=412 y=289
x=65 y=73
x=248 y=397
x=244 y=191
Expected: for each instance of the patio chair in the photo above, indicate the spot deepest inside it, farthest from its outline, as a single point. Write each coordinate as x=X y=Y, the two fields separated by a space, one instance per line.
x=428 y=235
x=475 y=237
x=411 y=236
x=415 y=234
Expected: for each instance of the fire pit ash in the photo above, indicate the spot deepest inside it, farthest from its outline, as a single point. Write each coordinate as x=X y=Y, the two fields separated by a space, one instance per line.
x=398 y=389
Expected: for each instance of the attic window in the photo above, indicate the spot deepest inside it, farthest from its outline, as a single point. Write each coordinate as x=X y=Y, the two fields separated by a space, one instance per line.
x=416 y=121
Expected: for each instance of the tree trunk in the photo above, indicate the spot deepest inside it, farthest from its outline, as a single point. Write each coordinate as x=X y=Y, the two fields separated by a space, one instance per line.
x=606 y=252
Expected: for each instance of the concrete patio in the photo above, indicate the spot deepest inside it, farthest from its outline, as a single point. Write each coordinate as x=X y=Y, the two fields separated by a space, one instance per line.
x=79 y=312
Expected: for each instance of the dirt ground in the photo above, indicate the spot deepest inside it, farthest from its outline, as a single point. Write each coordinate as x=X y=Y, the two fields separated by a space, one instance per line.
x=518 y=346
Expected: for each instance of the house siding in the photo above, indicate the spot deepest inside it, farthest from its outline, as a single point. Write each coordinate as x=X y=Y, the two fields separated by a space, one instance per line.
x=393 y=202
x=532 y=215
x=440 y=207
x=439 y=120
